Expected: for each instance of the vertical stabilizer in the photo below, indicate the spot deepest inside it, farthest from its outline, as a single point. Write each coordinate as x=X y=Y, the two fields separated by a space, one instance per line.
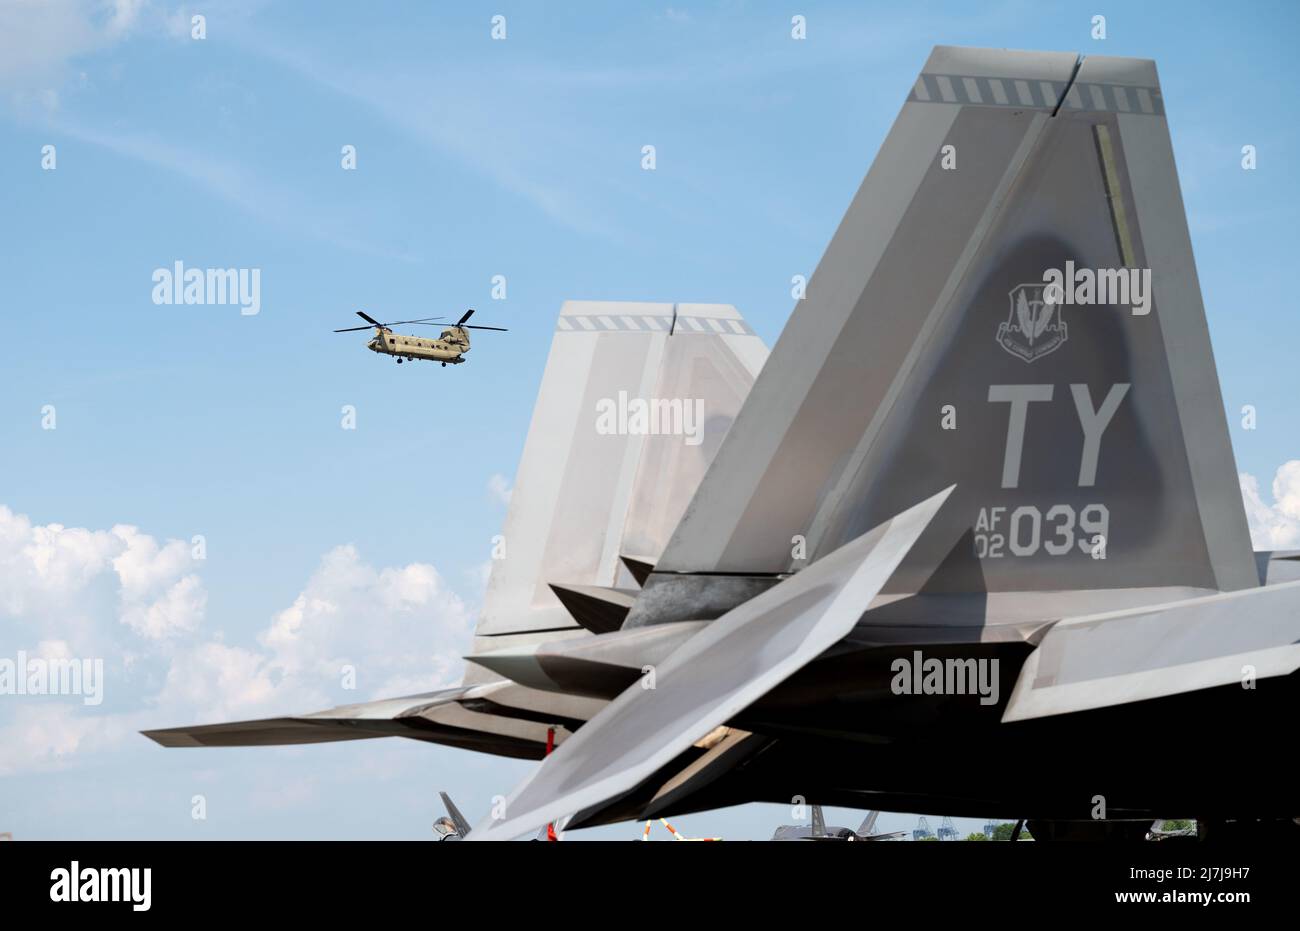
x=818 y=822
x=634 y=403
x=1087 y=440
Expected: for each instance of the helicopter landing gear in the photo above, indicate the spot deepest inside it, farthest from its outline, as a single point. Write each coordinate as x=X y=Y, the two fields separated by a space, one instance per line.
x=444 y=365
x=399 y=361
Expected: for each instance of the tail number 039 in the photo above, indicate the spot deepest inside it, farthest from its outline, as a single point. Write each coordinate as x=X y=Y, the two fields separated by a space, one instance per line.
x=1027 y=530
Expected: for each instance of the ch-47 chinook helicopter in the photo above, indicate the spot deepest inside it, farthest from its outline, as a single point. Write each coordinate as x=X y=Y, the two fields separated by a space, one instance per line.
x=451 y=346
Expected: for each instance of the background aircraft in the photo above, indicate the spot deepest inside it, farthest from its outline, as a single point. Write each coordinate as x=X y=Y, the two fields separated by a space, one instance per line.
x=818 y=830
x=451 y=346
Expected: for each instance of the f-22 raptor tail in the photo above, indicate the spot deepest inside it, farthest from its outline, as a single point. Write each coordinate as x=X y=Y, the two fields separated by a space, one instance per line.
x=1010 y=311
x=1084 y=429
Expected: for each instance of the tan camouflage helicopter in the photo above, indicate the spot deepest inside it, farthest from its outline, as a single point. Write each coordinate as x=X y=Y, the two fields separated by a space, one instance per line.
x=451 y=346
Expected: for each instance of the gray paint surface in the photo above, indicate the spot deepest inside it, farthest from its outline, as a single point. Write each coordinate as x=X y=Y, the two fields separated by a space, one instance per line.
x=902 y=317
x=715 y=674
x=583 y=498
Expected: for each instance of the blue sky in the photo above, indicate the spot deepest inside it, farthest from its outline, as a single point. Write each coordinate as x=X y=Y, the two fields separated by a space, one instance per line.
x=475 y=158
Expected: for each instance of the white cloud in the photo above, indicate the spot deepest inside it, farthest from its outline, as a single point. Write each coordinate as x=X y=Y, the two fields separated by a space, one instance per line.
x=139 y=603
x=71 y=592
x=37 y=735
x=144 y=566
x=219 y=682
x=40 y=38
x=39 y=563
x=59 y=580
x=178 y=609
x=399 y=628
x=160 y=596
x=1277 y=525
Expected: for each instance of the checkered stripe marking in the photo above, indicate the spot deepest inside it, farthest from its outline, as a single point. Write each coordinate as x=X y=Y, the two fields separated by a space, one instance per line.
x=652 y=323
x=1036 y=95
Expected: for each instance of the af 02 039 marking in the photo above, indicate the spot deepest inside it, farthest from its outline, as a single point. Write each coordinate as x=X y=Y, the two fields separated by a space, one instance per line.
x=1024 y=530
x=1023 y=534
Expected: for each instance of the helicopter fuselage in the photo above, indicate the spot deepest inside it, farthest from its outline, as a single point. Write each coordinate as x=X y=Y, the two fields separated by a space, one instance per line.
x=448 y=348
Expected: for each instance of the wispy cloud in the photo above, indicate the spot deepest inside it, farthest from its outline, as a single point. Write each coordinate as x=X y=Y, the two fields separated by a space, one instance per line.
x=231 y=182
x=493 y=134
x=41 y=43
x=42 y=40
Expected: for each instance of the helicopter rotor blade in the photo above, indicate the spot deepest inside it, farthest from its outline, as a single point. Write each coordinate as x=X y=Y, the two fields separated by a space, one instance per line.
x=421 y=320
x=476 y=327
x=384 y=326
x=469 y=313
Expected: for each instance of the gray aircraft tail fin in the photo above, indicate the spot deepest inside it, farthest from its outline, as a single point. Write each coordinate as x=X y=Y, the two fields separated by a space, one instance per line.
x=459 y=820
x=869 y=824
x=818 y=822
x=634 y=402
x=1082 y=425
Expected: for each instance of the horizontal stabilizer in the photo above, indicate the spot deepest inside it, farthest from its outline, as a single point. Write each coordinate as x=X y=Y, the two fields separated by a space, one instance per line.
x=716 y=674
x=1152 y=652
x=478 y=717
x=346 y=722
x=267 y=732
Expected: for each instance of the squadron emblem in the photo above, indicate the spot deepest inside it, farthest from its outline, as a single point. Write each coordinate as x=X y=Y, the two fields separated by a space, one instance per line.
x=1034 y=327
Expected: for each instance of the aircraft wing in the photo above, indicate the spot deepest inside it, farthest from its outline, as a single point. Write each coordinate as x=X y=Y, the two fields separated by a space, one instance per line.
x=346 y=722
x=713 y=676
x=262 y=732
x=447 y=717
x=1152 y=652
